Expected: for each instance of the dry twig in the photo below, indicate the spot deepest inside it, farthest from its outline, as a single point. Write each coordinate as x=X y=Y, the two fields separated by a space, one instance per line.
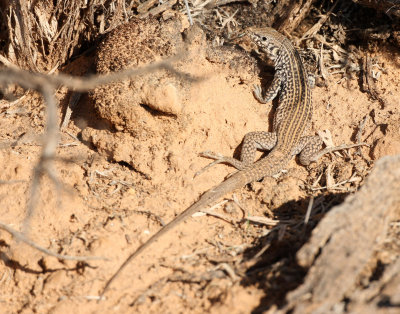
x=336 y=148
x=19 y=236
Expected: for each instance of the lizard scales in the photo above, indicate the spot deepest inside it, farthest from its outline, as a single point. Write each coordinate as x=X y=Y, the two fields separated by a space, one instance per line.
x=291 y=122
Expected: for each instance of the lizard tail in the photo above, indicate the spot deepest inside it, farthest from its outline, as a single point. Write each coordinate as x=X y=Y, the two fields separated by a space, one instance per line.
x=234 y=182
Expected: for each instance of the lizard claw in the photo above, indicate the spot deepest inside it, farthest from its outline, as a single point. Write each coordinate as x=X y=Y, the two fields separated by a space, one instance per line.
x=209 y=154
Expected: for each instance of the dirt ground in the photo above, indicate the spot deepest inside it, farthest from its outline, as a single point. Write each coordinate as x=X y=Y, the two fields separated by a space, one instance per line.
x=127 y=163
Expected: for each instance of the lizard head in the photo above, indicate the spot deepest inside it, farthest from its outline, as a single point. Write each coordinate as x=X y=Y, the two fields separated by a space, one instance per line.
x=267 y=40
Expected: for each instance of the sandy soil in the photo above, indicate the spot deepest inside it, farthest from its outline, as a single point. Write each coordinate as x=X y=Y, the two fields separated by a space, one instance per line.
x=133 y=169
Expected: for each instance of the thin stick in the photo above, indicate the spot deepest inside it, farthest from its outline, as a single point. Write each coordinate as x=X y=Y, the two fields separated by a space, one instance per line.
x=48 y=151
x=36 y=81
x=309 y=209
x=19 y=236
x=188 y=12
x=359 y=133
x=335 y=148
x=73 y=100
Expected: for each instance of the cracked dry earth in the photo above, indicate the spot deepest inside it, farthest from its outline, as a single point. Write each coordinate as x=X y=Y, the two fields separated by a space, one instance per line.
x=133 y=169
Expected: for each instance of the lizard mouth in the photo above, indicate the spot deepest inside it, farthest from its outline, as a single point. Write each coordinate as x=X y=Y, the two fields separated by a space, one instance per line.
x=246 y=39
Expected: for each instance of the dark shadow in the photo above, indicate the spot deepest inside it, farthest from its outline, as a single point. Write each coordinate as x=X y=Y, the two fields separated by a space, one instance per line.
x=266 y=75
x=157 y=113
x=387 y=303
x=83 y=111
x=277 y=272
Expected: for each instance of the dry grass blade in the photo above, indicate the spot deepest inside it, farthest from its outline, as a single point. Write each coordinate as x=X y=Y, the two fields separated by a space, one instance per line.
x=316 y=27
x=159 y=9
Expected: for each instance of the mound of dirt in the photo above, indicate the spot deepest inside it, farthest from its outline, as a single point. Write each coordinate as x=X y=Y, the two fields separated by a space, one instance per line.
x=153 y=115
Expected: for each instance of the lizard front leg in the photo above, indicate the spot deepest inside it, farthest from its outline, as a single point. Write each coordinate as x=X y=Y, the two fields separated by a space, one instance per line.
x=270 y=93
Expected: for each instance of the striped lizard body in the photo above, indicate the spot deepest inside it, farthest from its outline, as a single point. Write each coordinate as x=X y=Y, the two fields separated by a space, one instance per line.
x=291 y=122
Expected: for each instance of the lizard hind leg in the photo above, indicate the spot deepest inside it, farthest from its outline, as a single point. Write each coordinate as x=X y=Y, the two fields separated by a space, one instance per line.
x=218 y=159
x=308 y=147
x=251 y=142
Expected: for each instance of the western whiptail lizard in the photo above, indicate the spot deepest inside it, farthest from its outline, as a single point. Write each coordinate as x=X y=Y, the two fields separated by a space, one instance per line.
x=291 y=123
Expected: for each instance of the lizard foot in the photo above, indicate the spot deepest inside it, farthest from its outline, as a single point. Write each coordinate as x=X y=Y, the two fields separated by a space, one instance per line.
x=212 y=155
x=209 y=154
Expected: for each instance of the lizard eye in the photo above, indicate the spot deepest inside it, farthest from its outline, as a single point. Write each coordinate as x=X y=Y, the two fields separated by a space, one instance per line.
x=263 y=38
